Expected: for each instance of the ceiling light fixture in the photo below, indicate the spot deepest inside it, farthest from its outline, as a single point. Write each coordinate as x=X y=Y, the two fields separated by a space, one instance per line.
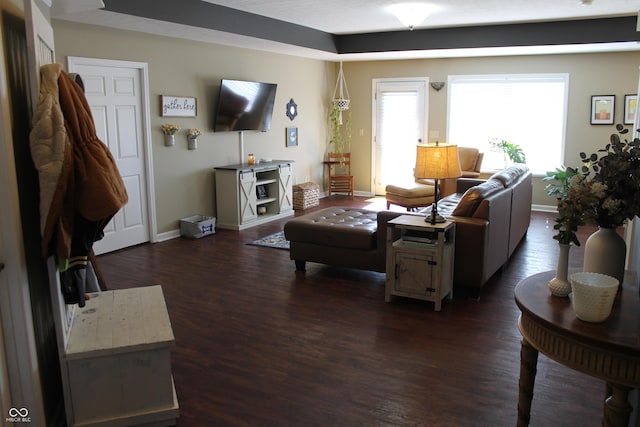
x=411 y=14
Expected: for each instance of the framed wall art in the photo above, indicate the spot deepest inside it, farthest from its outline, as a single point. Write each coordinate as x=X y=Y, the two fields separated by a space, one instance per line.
x=178 y=106
x=602 y=109
x=292 y=137
x=261 y=192
x=292 y=109
x=630 y=107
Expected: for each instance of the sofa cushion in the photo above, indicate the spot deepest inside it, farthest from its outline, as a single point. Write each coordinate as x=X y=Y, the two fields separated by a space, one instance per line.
x=342 y=227
x=510 y=175
x=473 y=196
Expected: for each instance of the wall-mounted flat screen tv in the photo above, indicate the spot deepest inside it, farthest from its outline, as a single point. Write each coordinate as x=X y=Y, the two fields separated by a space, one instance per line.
x=244 y=105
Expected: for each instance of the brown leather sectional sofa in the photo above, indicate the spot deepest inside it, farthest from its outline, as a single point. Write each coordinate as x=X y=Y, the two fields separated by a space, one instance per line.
x=491 y=217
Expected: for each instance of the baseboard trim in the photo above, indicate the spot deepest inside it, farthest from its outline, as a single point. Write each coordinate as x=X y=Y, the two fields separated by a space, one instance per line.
x=544 y=208
x=162 y=237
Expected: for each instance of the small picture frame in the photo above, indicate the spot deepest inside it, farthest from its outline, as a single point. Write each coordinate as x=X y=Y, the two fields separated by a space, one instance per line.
x=178 y=106
x=603 y=109
x=630 y=108
x=291 y=137
x=261 y=192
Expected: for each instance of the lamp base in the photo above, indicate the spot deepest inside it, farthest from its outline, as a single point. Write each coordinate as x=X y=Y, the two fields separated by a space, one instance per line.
x=435 y=218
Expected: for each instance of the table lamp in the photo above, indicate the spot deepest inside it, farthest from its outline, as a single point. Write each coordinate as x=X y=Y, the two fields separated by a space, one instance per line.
x=437 y=161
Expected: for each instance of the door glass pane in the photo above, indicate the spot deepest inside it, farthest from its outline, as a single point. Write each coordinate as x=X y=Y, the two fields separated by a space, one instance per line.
x=401 y=118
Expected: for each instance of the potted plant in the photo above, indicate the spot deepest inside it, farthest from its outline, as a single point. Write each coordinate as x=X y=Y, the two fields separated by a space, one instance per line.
x=569 y=203
x=508 y=149
x=570 y=217
x=559 y=180
x=340 y=136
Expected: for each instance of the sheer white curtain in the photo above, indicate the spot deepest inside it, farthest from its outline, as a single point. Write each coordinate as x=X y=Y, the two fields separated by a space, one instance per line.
x=528 y=110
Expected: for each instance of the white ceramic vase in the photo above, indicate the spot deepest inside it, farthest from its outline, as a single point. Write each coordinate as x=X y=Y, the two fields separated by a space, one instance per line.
x=605 y=252
x=560 y=285
x=169 y=140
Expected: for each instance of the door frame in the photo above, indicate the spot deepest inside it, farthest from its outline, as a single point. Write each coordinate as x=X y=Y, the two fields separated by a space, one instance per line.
x=20 y=381
x=143 y=69
x=374 y=116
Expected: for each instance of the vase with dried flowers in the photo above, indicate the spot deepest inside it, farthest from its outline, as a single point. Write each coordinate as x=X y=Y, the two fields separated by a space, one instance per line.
x=192 y=138
x=169 y=130
x=604 y=192
x=613 y=178
x=569 y=218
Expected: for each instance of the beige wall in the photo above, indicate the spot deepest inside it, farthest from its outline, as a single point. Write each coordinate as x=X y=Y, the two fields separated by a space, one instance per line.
x=589 y=74
x=184 y=179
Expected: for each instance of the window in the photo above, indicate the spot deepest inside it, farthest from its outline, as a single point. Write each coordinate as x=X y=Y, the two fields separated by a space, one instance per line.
x=528 y=110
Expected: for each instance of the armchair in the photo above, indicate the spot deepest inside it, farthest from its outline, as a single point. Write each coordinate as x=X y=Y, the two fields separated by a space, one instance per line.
x=470 y=162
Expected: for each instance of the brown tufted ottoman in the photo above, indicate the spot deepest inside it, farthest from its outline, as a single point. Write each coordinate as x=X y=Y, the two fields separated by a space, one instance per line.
x=340 y=236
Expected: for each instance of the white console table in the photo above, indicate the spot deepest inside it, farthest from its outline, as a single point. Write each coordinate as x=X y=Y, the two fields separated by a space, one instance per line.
x=248 y=195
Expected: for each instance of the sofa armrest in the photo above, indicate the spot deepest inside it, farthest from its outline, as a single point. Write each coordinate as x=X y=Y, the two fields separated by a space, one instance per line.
x=472 y=246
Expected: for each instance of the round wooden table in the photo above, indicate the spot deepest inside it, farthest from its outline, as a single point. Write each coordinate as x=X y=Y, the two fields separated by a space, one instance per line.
x=609 y=350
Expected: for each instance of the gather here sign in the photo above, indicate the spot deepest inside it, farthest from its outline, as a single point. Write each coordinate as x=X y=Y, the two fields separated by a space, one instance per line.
x=178 y=106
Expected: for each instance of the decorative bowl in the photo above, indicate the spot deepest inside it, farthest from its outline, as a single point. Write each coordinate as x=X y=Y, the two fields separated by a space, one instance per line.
x=593 y=295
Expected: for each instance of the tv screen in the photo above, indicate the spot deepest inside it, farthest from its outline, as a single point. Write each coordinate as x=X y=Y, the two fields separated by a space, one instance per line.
x=244 y=106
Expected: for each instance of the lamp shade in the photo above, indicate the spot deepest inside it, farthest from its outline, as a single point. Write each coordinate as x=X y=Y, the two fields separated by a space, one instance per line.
x=437 y=161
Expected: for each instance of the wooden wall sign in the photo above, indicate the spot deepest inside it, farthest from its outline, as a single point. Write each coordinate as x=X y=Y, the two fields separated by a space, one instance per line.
x=178 y=106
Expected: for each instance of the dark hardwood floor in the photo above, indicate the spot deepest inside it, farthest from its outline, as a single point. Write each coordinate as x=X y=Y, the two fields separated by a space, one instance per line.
x=257 y=345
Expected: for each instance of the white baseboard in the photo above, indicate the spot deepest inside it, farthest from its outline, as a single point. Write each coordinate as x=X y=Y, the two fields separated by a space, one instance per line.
x=544 y=208
x=168 y=235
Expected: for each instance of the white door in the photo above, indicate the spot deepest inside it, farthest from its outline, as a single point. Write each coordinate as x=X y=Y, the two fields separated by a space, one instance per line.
x=115 y=93
x=400 y=111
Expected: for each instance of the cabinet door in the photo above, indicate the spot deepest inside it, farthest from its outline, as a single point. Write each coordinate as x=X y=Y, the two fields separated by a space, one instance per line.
x=285 y=190
x=248 y=210
x=414 y=273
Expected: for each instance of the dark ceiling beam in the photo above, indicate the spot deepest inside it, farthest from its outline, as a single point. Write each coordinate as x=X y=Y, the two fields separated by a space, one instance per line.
x=608 y=30
x=202 y=14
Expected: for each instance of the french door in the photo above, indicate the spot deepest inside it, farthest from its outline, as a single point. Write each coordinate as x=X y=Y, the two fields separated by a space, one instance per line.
x=400 y=121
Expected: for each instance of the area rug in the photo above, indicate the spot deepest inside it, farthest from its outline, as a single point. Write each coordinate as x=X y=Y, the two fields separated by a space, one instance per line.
x=276 y=241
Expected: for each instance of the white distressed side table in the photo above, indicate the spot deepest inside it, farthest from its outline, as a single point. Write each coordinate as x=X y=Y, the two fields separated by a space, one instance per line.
x=420 y=262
